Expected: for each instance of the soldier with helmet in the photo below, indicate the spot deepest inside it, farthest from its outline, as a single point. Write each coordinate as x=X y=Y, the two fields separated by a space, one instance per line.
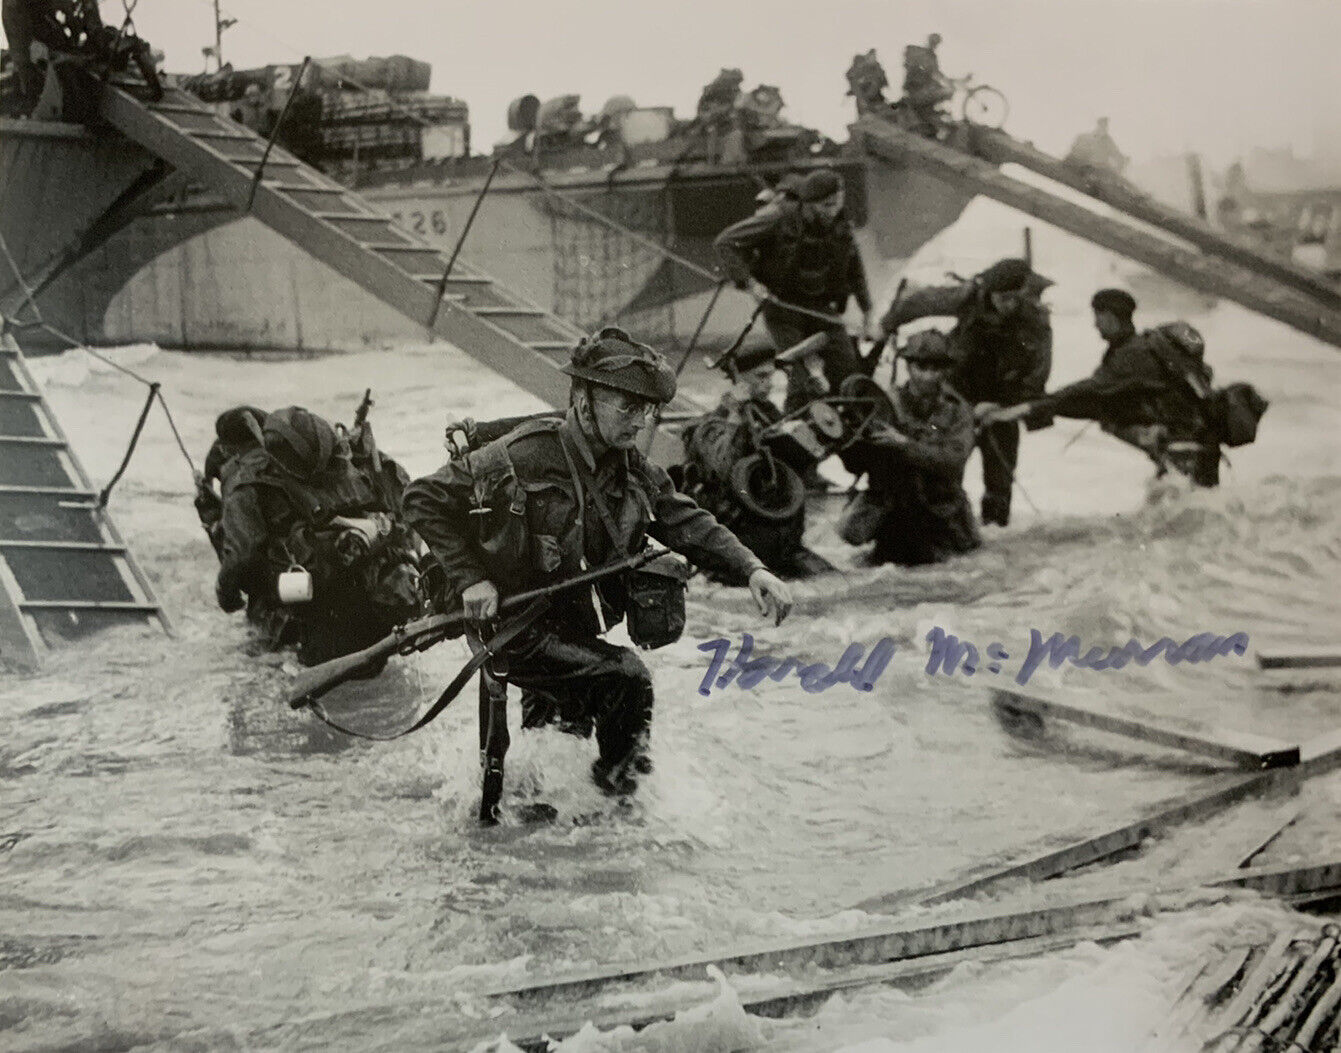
x=314 y=541
x=1002 y=344
x=914 y=506
x=552 y=497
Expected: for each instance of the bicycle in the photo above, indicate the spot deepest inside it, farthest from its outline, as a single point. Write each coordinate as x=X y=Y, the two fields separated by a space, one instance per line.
x=979 y=104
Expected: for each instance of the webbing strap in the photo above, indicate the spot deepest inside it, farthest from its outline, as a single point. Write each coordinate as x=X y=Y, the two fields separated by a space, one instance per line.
x=499 y=640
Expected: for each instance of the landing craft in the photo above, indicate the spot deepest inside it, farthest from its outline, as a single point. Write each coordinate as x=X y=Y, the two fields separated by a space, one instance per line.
x=632 y=179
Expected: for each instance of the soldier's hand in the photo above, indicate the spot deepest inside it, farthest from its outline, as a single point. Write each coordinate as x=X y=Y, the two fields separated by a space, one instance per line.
x=771 y=594
x=480 y=602
x=983 y=411
x=888 y=435
x=229 y=598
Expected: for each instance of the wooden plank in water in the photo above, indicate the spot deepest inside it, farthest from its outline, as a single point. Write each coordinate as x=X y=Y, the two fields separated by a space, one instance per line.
x=1240 y=748
x=1210 y=797
x=1300 y=658
x=862 y=959
x=792 y=996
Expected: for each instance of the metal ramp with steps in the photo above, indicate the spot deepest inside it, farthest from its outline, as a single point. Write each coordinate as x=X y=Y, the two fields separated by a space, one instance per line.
x=64 y=569
x=1207 y=269
x=498 y=328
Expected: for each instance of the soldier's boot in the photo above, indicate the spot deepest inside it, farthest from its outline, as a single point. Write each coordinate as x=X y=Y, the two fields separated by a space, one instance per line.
x=996 y=509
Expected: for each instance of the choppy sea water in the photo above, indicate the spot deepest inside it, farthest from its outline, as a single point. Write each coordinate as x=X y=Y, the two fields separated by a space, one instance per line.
x=185 y=864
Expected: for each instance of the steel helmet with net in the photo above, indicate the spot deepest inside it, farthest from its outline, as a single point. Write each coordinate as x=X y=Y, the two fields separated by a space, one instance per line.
x=299 y=442
x=613 y=359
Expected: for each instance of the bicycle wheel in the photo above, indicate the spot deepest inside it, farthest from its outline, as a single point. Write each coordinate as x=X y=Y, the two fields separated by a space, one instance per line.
x=986 y=107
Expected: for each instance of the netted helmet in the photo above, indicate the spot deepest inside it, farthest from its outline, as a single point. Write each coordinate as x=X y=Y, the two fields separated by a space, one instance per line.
x=613 y=359
x=299 y=442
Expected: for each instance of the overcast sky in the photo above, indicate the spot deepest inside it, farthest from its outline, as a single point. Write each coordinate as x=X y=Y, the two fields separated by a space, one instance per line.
x=1214 y=75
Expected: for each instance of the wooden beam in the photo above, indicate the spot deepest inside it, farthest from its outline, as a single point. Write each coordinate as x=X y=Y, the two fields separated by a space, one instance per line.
x=1300 y=658
x=888 y=961
x=1195 y=269
x=1240 y=748
x=1318 y=756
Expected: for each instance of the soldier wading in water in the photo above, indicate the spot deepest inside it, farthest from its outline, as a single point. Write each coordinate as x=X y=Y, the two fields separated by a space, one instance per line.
x=553 y=497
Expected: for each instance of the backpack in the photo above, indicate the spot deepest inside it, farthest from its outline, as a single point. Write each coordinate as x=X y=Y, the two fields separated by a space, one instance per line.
x=1234 y=412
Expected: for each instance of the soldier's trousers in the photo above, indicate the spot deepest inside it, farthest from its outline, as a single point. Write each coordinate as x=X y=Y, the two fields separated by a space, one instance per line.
x=789 y=328
x=999 y=446
x=577 y=680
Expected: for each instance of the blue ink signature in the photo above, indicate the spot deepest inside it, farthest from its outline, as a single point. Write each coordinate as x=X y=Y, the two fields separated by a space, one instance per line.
x=748 y=671
x=1058 y=649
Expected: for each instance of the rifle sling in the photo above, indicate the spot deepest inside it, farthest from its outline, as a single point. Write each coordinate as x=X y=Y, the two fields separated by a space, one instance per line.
x=500 y=639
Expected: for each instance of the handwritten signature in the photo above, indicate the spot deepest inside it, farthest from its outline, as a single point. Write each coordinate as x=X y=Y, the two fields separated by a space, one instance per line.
x=948 y=655
x=748 y=671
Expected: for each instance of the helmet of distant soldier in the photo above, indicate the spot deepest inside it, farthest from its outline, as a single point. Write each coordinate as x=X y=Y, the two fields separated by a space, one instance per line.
x=613 y=359
x=299 y=442
x=929 y=347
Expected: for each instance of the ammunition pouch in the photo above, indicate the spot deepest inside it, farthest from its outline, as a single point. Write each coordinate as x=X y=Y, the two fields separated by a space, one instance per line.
x=656 y=612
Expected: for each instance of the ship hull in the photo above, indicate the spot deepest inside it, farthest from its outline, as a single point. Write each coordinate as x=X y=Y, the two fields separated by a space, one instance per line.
x=193 y=274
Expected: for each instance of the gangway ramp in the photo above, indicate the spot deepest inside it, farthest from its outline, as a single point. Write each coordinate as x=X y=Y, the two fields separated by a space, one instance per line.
x=1000 y=148
x=1255 y=291
x=491 y=324
x=64 y=569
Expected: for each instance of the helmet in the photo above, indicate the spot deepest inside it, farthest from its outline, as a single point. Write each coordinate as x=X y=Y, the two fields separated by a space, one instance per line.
x=929 y=346
x=614 y=359
x=1008 y=275
x=1185 y=337
x=240 y=426
x=819 y=185
x=299 y=441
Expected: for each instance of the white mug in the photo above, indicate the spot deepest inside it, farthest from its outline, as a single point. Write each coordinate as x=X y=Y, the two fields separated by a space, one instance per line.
x=295 y=586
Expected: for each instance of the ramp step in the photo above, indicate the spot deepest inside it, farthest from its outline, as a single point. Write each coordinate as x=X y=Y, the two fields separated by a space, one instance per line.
x=30 y=440
x=65 y=546
x=87 y=605
x=521 y=312
x=47 y=491
x=26 y=396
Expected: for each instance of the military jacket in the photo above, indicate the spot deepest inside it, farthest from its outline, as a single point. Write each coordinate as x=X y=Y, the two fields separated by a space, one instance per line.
x=928 y=471
x=999 y=358
x=1137 y=382
x=804 y=263
x=515 y=513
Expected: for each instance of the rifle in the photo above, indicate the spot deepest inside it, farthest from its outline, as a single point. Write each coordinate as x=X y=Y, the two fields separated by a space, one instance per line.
x=871 y=359
x=423 y=633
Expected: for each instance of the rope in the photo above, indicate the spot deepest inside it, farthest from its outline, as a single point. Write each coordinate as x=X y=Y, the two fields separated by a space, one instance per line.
x=702 y=322
x=134 y=439
x=1001 y=458
x=155 y=388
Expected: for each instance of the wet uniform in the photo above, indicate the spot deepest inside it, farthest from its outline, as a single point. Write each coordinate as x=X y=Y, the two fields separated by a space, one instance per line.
x=272 y=521
x=915 y=506
x=814 y=265
x=999 y=358
x=542 y=525
x=1138 y=396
